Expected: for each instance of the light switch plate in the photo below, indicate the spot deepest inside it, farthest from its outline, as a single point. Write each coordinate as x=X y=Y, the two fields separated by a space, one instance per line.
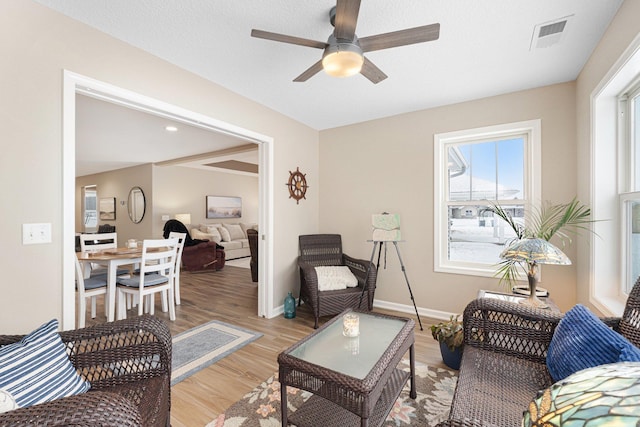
x=33 y=234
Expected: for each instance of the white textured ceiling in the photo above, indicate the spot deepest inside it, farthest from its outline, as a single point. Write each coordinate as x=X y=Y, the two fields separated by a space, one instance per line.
x=483 y=49
x=110 y=136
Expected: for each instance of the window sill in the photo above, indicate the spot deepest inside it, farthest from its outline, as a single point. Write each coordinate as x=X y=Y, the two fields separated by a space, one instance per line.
x=469 y=271
x=608 y=305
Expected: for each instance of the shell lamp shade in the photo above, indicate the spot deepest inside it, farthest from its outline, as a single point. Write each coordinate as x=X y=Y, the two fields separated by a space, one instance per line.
x=607 y=395
x=534 y=251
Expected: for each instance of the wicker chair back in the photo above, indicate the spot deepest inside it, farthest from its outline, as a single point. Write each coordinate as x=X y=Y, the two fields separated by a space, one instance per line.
x=321 y=249
x=629 y=325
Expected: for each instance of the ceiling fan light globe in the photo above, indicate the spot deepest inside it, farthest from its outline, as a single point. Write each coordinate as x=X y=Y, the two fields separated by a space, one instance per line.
x=342 y=63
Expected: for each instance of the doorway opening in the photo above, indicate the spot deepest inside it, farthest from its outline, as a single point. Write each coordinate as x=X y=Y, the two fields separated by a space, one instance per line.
x=77 y=84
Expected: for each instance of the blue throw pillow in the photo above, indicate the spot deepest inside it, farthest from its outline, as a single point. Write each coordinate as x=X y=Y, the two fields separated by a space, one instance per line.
x=583 y=341
x=37 y=369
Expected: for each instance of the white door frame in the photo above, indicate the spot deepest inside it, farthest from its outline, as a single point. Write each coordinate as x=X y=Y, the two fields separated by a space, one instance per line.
x=75 y=83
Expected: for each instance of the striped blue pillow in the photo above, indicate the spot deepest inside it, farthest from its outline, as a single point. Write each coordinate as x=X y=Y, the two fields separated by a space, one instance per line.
x=37 y=368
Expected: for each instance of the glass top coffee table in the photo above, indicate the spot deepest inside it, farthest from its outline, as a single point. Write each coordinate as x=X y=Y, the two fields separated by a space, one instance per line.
x=355 y=381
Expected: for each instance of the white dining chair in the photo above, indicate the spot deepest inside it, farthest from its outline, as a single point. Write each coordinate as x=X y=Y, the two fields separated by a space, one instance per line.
x=157 y=265
x=176 y=272
x=89 y=287
x=96 y=243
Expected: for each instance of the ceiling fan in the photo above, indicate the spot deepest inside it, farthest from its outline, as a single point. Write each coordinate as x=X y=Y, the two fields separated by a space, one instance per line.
x=343 y=51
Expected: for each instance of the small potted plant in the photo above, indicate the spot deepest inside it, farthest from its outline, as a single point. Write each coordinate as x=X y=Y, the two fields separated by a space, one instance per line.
x=450 y=335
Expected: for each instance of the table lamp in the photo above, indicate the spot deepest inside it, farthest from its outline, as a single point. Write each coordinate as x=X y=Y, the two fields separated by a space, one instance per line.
x=607 y=395
x=184 y=218
x=534 y=251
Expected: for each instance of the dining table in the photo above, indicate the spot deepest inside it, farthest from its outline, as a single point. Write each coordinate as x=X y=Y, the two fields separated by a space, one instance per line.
x=112 y=259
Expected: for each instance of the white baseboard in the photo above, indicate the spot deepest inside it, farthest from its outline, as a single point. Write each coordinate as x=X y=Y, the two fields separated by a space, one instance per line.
x=404 y=308
x=277 y=311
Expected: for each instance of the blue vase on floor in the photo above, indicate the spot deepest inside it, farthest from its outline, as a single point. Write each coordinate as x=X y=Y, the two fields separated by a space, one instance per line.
x=289 y=306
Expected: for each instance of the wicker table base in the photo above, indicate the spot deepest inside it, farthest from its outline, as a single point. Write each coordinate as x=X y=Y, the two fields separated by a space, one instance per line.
x=318 y=411
x=341 y=399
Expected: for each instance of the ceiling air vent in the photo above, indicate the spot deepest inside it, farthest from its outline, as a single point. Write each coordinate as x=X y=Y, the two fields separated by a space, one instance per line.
x=549 y=33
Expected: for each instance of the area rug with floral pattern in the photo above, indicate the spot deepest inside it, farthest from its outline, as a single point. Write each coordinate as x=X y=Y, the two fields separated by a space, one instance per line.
x=261 y=406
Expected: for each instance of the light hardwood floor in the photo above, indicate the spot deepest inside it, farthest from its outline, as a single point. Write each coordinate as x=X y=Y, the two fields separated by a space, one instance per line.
x=229 y=295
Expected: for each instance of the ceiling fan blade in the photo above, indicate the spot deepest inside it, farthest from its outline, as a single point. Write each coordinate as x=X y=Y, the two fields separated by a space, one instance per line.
x=310 y=72
x=422 y=34
x=346 y=19
x=373 y=73
x=287 y=39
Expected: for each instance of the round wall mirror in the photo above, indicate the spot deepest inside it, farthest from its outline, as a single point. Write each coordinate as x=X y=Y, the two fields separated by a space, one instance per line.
x=136 y=204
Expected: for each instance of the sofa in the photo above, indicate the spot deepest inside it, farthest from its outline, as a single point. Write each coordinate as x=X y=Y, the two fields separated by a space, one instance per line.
x=128 y=366
x=197 y=255
x=504 y=363
x=231 y=236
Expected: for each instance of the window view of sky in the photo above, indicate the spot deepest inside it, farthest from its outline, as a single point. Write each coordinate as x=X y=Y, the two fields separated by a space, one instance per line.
x=492 y=170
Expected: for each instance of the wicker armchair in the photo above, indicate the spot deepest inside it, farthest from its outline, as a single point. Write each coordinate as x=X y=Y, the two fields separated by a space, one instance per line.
x=504 y=360
x=326 y=250
x=128 y=364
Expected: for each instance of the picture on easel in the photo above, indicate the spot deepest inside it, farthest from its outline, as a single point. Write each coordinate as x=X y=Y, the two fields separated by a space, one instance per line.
x=386 y=227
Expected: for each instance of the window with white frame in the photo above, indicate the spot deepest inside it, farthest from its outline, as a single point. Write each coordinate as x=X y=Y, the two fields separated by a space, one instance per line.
x=608 y=273
x=90 y=208
x=473 y=170
x=629 y=132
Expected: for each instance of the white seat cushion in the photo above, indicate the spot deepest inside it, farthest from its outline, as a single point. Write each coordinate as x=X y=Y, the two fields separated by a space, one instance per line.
x=235 y=231
x=332 y=278
x=149 y=280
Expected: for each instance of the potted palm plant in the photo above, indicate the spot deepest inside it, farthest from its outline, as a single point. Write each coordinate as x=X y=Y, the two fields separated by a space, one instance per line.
x=450 y=335
x=559 y=220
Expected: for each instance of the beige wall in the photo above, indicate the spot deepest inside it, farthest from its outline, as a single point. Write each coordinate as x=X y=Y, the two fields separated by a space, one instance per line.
x=387 y=165
x=370 y=167
x=117 y=184
x=624 y=28
x=168 y=190
x=37 y=45
x=182 y=190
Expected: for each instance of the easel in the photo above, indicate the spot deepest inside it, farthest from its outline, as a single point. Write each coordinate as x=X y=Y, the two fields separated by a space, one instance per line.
x=404 y=271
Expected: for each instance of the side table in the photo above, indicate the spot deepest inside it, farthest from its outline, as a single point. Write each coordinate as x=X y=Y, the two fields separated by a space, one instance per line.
x=515 y=298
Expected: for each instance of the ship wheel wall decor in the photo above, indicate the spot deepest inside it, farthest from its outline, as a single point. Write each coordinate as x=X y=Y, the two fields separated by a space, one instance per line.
x=297 y=185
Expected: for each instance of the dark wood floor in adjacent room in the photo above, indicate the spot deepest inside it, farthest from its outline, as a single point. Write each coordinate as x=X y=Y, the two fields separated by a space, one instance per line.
x=230 y=296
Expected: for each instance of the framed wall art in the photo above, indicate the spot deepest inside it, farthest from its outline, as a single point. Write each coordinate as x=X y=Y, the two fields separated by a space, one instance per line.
x=224 y=207
x=108 y=208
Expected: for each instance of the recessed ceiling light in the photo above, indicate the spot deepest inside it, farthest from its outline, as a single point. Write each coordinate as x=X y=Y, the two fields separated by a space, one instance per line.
x=171 y=129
